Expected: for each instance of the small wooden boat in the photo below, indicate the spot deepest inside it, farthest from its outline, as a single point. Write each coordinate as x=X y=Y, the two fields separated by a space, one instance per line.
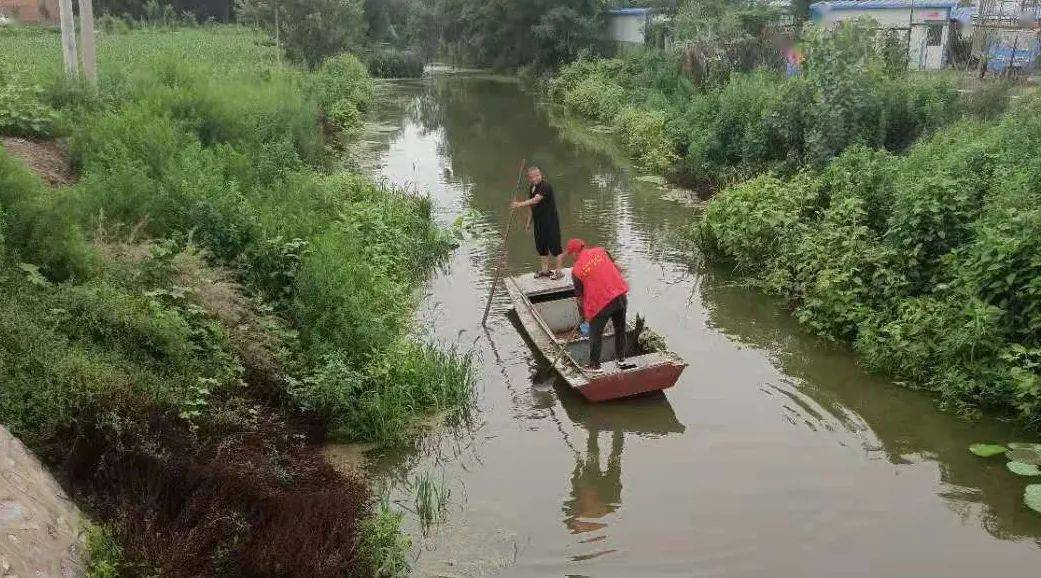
x=548 y=313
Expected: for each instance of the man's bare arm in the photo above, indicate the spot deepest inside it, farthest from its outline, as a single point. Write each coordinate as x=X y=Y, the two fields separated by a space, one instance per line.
x=530 y=202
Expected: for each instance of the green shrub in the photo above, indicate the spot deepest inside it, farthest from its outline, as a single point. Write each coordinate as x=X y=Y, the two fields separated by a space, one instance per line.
x=851 y=94
x=379 y=401
x=383 y=547
x=22 y=110
x=989 y=99
x=39 y=227
x=644 y=136
x=345 y=116
x=343 y=77
x=393 y=63
x=926 y=262
x=104 y=552
x=597 y=98
x=86 y=356
x=752 y=222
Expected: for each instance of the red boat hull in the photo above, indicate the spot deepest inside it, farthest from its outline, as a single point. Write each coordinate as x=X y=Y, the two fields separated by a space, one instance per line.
x=620 y=385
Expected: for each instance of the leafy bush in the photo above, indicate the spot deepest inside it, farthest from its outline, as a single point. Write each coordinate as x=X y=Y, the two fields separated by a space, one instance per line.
x=990 y=98
x=343 y=77
x=104 y=552
x=384 y=549
x=344 y=90
x=926 y=262
x=393 y=63
x=345 y=116
x=851 y=94
x=22 y=110
x=39 y=228
x=378 y=402
x=597 y=98
x=645 y=139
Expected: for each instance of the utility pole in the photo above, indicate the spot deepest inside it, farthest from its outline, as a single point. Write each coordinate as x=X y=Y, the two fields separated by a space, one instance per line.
x=90 y=59
x=68 y=39
x=278 y=33
x=910 y=32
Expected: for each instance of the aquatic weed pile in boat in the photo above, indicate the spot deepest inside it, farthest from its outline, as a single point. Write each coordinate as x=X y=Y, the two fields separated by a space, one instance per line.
x=185 y=416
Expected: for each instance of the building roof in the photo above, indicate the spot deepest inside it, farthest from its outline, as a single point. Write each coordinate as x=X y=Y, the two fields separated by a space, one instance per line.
x=963 y=14
x=629 y=11
x=818 y=9
x=966 y=14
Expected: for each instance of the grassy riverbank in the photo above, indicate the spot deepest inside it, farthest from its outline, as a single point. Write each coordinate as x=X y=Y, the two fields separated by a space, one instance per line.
x=188 y=320
x=927 y=263
x=710 y=131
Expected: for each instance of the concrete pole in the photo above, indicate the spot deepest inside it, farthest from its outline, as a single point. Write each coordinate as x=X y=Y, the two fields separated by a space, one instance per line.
x=90 y=59
x=68 y=39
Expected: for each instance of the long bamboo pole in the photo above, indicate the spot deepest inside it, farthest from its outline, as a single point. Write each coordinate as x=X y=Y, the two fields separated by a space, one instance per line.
x=505 y=245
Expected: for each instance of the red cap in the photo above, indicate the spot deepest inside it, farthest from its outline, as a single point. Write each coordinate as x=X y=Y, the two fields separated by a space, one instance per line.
x=575 y=246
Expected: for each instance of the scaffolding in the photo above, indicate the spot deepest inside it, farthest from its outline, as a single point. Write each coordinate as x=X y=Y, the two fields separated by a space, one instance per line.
x=1006 y=36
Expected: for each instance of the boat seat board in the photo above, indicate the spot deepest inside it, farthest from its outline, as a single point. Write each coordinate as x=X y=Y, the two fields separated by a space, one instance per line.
x=532 y=287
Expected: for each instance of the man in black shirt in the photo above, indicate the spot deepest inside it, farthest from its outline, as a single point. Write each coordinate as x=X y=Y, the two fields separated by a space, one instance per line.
x=547 y=225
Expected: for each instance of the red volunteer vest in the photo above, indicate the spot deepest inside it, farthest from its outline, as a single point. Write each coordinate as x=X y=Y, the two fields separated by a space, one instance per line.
x=601 y=280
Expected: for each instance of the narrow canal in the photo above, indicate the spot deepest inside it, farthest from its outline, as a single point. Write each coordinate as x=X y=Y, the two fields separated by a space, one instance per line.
x=774 y=455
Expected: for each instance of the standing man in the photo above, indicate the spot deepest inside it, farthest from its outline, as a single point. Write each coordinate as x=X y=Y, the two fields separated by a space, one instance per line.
x=600 y=292
x=547 y=225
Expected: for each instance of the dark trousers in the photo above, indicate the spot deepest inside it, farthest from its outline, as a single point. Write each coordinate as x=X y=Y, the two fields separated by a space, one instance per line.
x=615 y=311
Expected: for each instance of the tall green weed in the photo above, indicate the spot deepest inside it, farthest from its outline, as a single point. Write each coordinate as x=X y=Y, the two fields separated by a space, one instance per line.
x=927 y=262
x=850 y=94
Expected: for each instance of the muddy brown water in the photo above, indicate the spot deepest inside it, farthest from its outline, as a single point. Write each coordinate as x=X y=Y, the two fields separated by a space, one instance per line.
x=774 y=455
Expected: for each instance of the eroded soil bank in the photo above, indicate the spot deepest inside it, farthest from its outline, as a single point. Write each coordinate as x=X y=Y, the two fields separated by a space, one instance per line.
x=41 y=530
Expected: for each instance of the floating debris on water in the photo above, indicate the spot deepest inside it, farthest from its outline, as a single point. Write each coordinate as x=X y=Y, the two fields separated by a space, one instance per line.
x=653 y=179
x=987 y=450
x=1030 y=456
x=1023 y=469
x=1032 y=497
x=1024 y=460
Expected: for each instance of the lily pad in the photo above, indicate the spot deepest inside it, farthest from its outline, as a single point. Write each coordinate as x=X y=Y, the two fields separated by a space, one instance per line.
x=987 y=450
x=1032 y=497
x=1023 y=469
x=1025 y=456
x=1024 y=446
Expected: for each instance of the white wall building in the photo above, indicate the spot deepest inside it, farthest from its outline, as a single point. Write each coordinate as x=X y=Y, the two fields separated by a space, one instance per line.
x=626 y=28
x=627 y=25
x=928 y=22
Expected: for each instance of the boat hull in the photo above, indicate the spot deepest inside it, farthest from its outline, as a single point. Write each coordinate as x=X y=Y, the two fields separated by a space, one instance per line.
x=547 y=312
x=616 y=386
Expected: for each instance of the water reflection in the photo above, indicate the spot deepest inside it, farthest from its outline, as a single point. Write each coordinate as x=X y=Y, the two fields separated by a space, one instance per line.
x=596 y=490
x=596 y=480
x=829 y=392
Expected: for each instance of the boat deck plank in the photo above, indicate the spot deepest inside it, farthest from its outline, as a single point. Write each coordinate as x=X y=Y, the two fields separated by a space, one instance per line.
x=531 y=286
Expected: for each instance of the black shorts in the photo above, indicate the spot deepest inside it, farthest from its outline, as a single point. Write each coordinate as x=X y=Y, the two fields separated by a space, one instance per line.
x=547 y=240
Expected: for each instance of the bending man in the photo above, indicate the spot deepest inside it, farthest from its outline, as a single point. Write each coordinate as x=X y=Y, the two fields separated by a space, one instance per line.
x=600 y=292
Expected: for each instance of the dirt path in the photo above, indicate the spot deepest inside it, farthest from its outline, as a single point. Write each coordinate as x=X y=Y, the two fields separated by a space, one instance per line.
x=41 y=530
x=45 y=158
